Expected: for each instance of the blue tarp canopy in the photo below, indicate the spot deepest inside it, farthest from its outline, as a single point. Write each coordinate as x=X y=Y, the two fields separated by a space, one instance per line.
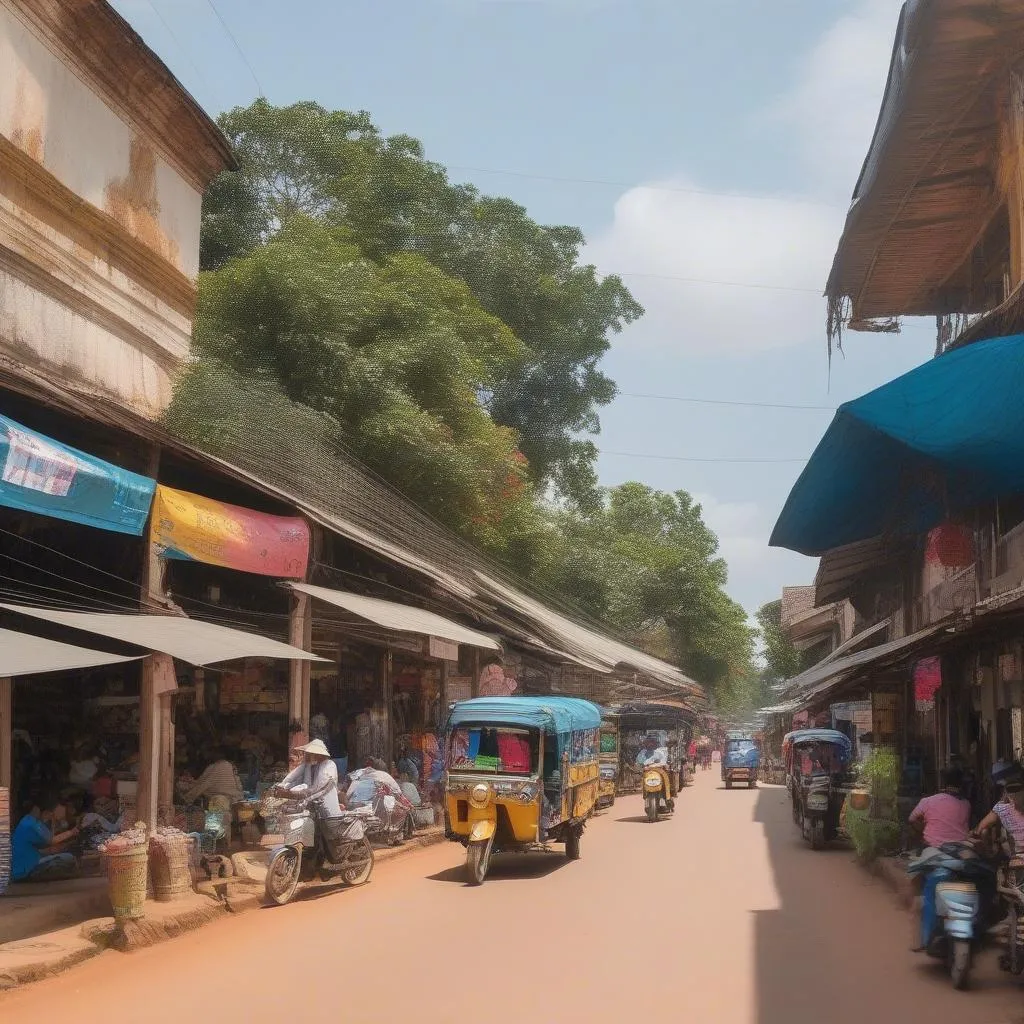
x=940 y=440
x=552 y=714
x=41 y=475
x=839 y=739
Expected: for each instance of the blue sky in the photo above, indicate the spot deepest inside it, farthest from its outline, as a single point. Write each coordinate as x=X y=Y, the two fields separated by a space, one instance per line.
x=717 y=141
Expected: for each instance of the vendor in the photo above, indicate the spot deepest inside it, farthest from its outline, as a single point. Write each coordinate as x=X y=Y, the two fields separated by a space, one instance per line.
x=219 y=779
x=37 y=855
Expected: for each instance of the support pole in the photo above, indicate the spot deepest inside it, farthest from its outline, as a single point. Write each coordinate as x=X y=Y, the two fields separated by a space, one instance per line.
x=6 y=732
x=300 y=634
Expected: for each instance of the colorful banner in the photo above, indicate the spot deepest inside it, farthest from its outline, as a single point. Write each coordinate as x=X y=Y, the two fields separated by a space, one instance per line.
x=192 y=528
x=38 y=474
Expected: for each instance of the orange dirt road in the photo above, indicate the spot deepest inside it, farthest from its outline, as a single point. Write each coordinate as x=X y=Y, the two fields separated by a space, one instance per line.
x=719 y=915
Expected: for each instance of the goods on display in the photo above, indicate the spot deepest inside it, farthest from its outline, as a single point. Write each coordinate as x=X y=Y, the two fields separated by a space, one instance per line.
x=171 y=853
x=127 y=855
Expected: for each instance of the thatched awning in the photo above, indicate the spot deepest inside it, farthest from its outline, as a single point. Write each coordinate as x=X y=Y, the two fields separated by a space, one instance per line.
x=924 y=234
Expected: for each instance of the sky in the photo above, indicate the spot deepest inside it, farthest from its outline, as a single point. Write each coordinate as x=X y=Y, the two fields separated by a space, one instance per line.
x=692 y=142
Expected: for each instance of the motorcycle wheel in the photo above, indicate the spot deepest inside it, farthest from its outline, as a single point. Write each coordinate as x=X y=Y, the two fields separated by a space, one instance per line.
x=478 y=860
x=572 y=844
x=283 y=876
x=362 y=867
x=960 y=963
x=651 y=806
x=752 y=783
x=818 y=835
x=728 y=783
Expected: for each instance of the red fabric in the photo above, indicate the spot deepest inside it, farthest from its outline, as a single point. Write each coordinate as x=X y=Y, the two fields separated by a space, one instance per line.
x=514 y=752
x=927 y=679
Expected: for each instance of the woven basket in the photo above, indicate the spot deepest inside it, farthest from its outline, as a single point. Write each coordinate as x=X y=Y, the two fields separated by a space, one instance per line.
x=126 y=882
x=169 y=861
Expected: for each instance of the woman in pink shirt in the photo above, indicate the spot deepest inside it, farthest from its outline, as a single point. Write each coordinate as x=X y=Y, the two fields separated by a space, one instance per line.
x=944 y=817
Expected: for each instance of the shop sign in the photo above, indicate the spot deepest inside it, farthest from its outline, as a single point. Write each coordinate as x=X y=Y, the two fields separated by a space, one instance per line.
x=43 y=476
x=443 y=650
x=193 y=528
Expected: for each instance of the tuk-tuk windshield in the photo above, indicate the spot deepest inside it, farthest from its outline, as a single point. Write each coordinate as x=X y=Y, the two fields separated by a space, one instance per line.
x=499 y=749
x=740 y=746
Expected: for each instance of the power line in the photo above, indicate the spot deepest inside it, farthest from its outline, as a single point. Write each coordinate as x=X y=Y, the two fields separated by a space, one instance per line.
x=177 y=41
x=723 y=401
x=687 y=458
x=810 y=201
x=721 y=284
x=241 y=52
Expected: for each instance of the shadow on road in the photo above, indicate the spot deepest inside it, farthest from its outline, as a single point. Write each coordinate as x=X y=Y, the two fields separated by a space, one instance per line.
x=508 y=867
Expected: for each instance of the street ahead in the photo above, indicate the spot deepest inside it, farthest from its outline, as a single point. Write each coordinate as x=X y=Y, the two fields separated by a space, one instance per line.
x=717 y=916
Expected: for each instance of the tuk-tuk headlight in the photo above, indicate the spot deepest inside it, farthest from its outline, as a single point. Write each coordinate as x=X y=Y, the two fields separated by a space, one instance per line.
x=479 y=794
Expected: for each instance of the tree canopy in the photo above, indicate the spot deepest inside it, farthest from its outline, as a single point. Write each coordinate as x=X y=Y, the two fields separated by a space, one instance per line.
x=336 y=168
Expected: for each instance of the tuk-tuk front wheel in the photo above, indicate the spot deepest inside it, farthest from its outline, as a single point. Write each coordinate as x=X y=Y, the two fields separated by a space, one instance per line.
x=651 y=806
x=572 y=843
x=478 y=860
x=818 y=834
x=728 y=783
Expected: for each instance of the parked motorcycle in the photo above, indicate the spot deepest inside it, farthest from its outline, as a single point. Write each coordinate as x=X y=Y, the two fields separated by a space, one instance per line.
x=315 y=847
x=967 y=904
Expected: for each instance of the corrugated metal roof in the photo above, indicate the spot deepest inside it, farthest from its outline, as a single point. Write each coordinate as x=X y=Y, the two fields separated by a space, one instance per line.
x=399 y=617
x=198 y=643
x=22 y=654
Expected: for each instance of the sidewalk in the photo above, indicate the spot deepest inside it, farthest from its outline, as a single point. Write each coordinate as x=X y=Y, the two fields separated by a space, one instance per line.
x=27 y=959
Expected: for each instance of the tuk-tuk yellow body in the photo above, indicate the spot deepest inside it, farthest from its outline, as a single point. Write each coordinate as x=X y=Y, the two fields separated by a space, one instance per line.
x=608 y=758
x=522 y=772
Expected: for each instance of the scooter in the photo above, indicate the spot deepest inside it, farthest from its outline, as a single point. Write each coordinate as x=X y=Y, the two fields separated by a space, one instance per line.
x=315 y=847
x=657 y=790
x=966 y=904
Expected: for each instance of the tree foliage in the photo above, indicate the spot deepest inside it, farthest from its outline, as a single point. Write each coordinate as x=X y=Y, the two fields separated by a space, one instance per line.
x=782 y=660
x=646 y=561
x=336 y=168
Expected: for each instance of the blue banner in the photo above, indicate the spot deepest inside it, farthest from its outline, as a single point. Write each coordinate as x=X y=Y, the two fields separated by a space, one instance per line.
x=43 y=476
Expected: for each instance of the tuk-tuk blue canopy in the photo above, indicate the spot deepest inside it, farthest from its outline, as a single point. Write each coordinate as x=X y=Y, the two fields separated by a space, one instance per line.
x=558 y=715
x=834 y=736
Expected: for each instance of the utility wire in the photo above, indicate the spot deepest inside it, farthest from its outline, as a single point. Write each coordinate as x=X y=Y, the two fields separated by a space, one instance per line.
x=241 y=52
x=687 y=458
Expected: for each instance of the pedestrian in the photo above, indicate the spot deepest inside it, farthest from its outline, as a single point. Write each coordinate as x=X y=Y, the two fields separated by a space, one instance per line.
x=37 y=855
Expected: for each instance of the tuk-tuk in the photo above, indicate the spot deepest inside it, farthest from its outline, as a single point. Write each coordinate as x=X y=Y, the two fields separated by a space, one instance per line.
x=608 y=758
x=741 y=760
x=522 y=772
x=818 y=779
x=671 y=724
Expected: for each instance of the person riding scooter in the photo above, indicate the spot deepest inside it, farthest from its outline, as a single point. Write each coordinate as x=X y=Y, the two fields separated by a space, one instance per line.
x=652 y=753
x=313 y=781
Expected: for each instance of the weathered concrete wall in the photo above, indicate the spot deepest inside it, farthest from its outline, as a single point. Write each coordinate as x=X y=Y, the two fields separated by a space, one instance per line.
x=99 y=233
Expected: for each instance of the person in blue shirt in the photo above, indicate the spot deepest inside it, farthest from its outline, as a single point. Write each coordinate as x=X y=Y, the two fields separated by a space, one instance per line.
x=36 y=853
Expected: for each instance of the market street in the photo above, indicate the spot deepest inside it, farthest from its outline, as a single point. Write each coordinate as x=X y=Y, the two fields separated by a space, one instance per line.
x=717 y=915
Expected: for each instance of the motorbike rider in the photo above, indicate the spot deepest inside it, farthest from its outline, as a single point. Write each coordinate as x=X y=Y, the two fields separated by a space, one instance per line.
x=652 y=753
x=314 y=780
x=941 y=818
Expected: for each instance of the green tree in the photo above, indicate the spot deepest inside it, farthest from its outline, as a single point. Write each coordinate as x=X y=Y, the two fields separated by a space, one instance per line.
x=782 y=660
x=646 y=561
x=336 y=167
x=394 y=352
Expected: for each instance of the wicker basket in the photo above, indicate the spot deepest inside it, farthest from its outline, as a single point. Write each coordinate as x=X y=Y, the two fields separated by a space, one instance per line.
x=169 y=861
x=127 y=874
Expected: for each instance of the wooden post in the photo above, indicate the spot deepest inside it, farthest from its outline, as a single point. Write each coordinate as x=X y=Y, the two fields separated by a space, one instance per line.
x=475 y=682
x=442 y=697
x=300 y=634
x=387 y=691
x=7 y=735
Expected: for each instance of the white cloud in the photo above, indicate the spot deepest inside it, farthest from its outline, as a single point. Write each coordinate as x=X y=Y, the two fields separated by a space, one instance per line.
x=662 y=234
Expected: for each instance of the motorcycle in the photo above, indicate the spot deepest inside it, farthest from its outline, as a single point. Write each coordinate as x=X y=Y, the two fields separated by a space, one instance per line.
x=312 y=847
x=658 y=791
x=967 y=904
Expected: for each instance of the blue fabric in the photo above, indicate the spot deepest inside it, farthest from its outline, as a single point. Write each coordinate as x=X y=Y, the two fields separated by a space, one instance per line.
x=558 y=715
x=929 y=914
x=29 y=837
x=940 y=440
x=41 y=475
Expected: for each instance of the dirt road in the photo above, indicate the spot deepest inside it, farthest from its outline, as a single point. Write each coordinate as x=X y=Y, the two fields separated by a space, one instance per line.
x=717 y=915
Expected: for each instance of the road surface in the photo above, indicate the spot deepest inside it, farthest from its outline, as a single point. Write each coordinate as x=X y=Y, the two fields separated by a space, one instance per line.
x=717 y=916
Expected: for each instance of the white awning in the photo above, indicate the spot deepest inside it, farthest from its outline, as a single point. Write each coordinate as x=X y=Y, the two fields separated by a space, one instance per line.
x=401 y=618
x=22 y=654
x=199 y=643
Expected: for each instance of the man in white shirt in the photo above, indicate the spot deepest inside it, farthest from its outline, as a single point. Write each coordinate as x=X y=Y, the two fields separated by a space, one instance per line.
x=220 y=779
x=315 y=779
x=652 y=753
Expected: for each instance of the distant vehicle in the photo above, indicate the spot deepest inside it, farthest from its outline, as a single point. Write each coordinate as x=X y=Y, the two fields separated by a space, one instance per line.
x=741 y=760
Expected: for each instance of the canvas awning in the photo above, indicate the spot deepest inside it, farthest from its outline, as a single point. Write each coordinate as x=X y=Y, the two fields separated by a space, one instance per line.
x=922 y=449
x=401 y=618
x=198 y=643
x=22 y=654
